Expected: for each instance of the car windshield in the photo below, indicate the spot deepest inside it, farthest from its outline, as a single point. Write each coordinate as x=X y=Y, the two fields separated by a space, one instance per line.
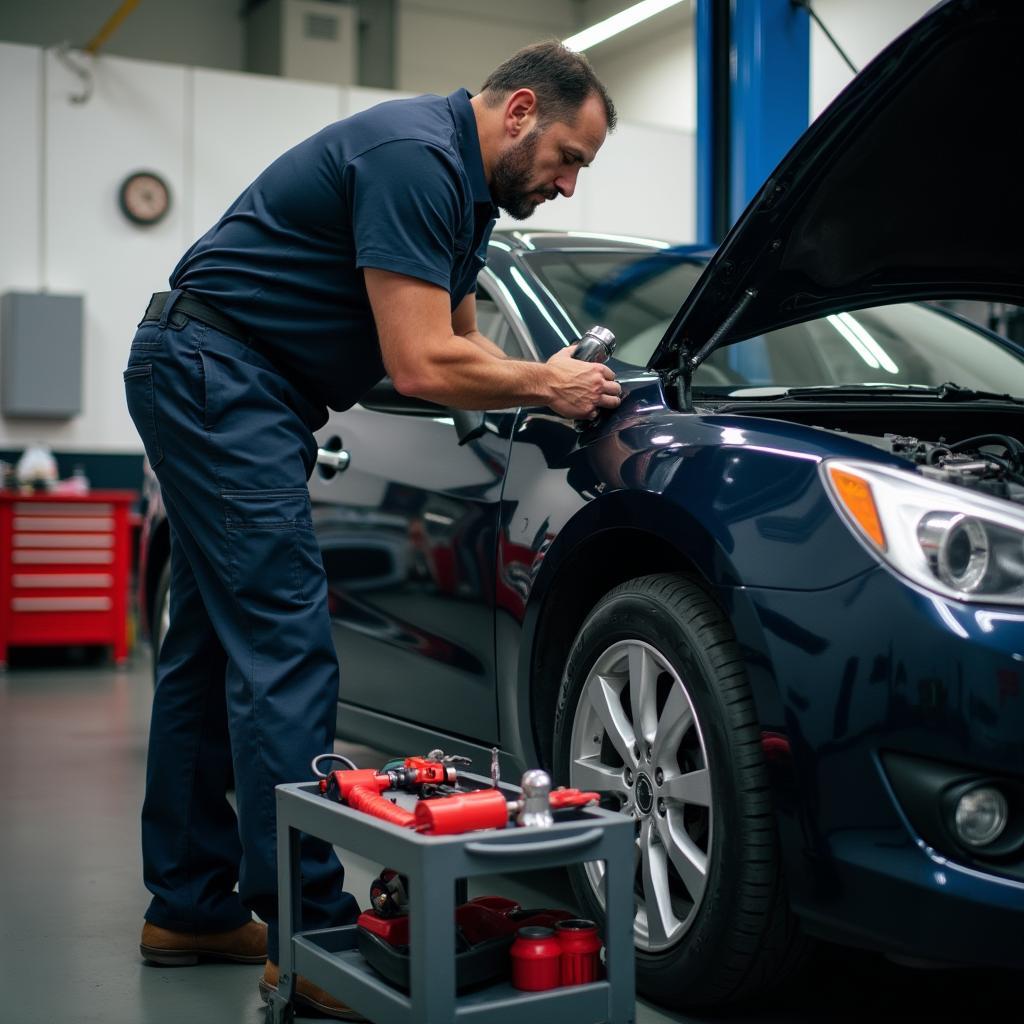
x=636 y=295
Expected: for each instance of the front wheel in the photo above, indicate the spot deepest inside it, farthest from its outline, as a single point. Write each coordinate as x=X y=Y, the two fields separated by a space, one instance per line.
x=655 y=712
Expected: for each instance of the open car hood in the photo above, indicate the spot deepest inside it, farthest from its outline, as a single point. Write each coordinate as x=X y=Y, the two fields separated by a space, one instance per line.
x=903 y=189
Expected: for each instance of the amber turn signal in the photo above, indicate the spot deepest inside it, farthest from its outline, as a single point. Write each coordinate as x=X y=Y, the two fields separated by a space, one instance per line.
x=859 y=502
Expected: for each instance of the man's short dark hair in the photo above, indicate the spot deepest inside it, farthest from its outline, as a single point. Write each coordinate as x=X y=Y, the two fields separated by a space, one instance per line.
x=561 y=79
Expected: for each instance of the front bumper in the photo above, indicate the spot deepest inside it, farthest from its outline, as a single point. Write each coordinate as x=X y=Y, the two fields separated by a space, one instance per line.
x=847 y=675
x=904 y=899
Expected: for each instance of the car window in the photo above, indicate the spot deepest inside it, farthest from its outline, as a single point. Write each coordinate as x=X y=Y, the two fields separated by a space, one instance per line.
x=905 y=343
x=637 y=296
x=492 y=323
x=634 y=293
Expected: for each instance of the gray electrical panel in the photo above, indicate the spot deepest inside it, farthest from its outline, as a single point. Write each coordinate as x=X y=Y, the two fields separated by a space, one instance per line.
x=40 y=355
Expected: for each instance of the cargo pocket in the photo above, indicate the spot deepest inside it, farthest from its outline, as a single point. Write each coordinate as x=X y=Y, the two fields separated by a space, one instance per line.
x=138 y=389
x=273 y=558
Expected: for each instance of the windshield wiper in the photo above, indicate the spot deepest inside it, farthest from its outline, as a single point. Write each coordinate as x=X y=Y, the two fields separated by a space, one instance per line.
x=948 y=392
x=951 y=392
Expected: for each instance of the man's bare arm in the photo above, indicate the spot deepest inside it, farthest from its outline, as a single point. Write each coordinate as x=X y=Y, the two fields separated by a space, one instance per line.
x=427 y=359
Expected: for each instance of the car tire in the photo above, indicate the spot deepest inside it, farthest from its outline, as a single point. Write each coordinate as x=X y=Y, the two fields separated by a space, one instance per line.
x=713 y=925
x=161 y=613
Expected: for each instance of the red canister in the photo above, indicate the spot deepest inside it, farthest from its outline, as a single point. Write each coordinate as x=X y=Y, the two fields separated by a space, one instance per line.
x=581 y=948
x=536 y=959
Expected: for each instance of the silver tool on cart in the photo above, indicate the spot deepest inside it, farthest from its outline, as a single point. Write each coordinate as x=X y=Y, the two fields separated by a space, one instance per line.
x=536 y=802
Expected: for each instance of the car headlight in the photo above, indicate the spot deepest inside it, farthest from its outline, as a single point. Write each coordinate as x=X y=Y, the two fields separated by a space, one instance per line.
x=959 y=543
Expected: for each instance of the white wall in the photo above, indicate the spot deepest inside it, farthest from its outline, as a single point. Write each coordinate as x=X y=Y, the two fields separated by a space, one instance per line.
x=862 y=30
x=226 y=154
x=21 y=169
x=650 y=70
x=135 y=119
x=642 y=183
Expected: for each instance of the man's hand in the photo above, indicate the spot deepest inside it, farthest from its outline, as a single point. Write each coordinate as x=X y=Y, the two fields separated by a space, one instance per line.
x=582 y=389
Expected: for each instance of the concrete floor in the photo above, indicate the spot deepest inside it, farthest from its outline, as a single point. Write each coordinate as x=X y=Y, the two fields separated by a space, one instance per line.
x=72 y=758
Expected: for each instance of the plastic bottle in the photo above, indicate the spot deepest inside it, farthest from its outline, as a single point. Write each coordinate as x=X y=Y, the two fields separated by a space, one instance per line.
x=536 y=959
x=581 y=948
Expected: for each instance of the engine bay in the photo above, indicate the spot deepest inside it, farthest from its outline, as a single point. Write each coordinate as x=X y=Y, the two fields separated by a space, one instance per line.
x=975 y=445
x=991 y=463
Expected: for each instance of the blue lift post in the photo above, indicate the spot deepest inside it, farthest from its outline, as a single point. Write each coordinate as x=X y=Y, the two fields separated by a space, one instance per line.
x=753 y=101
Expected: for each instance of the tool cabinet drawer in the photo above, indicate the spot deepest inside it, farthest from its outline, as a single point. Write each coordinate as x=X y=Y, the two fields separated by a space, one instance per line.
x=64 y=568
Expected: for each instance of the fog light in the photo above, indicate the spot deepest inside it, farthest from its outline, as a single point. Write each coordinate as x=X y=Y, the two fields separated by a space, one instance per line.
x=980 y=816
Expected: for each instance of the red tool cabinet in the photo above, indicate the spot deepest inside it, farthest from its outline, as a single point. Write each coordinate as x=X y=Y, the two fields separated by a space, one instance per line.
x=64 y=567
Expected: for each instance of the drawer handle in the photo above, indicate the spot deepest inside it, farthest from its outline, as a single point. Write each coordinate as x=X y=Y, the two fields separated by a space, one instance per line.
x=63 y=540
x=56 y=580
x=499 y=849
x=61 y=604
x=68 y=524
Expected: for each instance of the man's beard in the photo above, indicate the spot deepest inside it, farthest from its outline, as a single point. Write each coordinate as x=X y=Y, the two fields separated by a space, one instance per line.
x=510 y=180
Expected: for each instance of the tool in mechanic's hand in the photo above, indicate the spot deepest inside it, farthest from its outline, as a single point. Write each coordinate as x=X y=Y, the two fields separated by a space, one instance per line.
x=596 y=345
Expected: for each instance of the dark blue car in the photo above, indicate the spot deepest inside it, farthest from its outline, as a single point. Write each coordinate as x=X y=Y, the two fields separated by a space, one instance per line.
x=772 y=607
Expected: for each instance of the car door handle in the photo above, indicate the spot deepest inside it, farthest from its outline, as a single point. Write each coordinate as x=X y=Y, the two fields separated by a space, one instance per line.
x=332 y=459
x=338 y=461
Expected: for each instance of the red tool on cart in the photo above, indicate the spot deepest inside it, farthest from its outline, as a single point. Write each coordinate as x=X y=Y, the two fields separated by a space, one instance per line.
x=442 y=808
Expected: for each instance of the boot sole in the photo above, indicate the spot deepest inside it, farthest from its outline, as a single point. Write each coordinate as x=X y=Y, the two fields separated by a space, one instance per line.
x=191 y=957
x=321 y=1009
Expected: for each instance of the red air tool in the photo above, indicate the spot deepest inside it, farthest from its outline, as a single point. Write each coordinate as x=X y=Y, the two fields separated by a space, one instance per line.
x=361 y=787
x=442 y=809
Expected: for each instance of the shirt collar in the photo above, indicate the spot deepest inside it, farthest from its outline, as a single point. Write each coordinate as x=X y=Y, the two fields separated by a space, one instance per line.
x=469 y=145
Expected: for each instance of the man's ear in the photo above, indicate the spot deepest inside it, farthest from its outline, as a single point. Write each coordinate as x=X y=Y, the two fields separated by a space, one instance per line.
x=520 y=112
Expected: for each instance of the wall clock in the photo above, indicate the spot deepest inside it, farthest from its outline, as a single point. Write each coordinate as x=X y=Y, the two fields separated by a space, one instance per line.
x=144 y=197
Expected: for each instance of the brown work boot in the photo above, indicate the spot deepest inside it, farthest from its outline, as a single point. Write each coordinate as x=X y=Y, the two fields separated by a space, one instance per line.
x=245 y=945
x=308 y=996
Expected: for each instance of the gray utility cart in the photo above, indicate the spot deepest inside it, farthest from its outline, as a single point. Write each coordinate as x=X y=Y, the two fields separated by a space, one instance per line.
x=433 y=865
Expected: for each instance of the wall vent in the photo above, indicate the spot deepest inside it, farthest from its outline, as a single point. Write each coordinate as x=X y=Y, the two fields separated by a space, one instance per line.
x=321 y=26
x=310 y=39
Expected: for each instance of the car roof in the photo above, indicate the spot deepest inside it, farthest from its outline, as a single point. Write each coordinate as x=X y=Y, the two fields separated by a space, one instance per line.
x=547 y=240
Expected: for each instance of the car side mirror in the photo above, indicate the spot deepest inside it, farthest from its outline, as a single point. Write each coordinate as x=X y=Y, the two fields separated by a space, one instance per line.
x=385 y=397
x=468 y=425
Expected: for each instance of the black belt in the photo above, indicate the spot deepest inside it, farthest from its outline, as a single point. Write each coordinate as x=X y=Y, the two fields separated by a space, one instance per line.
x=198 y=310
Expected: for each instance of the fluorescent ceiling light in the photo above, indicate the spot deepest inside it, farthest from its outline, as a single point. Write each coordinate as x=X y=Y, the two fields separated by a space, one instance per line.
x=618 y=23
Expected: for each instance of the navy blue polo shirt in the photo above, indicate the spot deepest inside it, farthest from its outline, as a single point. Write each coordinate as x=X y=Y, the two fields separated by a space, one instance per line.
x=399 y=187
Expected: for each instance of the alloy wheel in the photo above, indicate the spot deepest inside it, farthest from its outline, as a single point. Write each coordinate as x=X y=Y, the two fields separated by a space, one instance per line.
x=636 y=739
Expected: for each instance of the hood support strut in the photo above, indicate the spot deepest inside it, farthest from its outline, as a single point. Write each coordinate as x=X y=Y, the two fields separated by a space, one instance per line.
x=687 y=365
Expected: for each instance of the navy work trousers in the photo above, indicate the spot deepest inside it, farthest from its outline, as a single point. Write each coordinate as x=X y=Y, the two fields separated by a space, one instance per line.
x=247 y=679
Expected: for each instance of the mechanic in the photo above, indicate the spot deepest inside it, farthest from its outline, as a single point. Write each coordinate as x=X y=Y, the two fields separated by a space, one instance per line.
x=353 y=255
